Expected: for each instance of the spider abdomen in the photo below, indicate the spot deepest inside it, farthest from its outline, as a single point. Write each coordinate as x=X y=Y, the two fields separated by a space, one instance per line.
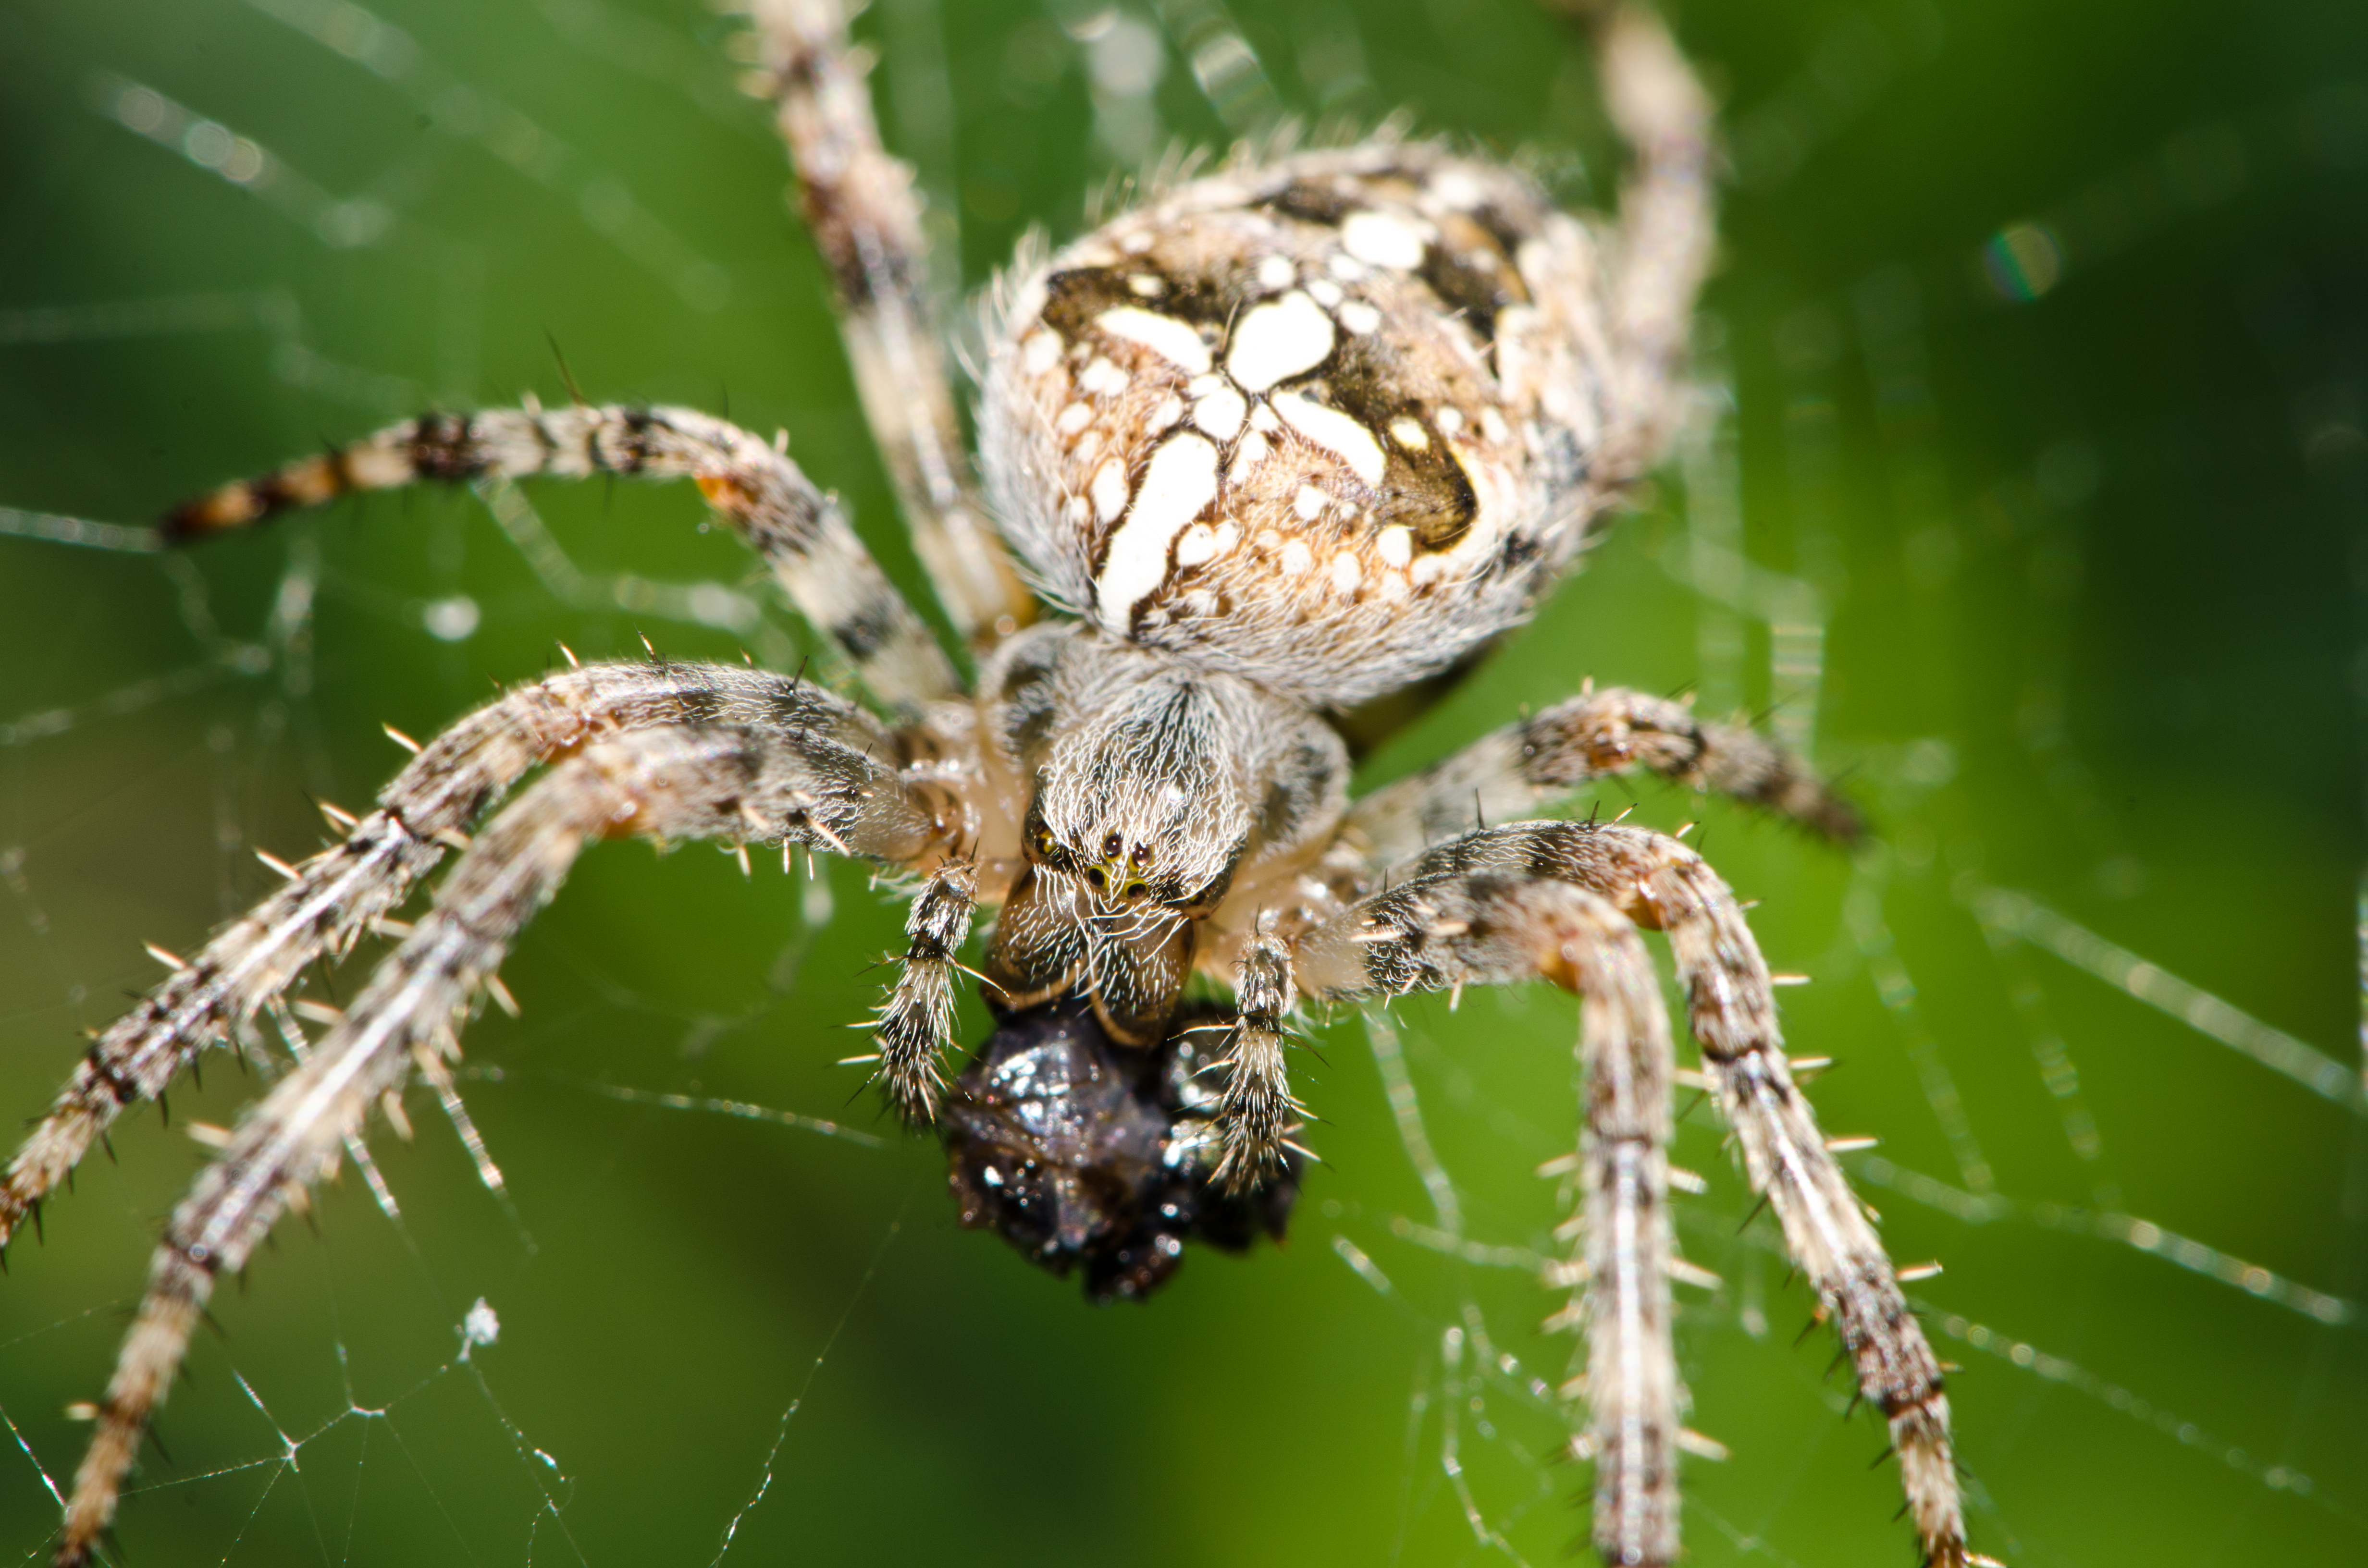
x=1323 y=424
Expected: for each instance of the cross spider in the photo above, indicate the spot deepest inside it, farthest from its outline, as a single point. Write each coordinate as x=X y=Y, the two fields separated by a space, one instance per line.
x=1275 y=444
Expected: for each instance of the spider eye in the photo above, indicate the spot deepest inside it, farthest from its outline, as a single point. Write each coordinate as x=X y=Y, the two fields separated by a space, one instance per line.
x=1142 y=855
x=1135 y=889
x=1111 y=846
x=1045 y=843
x=1094 y=875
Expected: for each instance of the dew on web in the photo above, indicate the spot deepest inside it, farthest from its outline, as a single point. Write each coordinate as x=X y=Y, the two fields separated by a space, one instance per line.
x=464 y=111
x=2015 y=916
x=706 y=1104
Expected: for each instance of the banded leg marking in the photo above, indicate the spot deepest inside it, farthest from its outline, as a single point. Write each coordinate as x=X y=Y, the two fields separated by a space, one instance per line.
x=336 y=895
x=801 y=534
x=916 y=1024
x=1658 y=882
x=740 y=784
x=858 y=203
x=1258 y=1115
x=1492 y=927
x=1523 y=768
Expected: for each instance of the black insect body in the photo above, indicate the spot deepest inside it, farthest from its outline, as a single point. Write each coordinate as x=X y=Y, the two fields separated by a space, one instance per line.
x=1086 y=1154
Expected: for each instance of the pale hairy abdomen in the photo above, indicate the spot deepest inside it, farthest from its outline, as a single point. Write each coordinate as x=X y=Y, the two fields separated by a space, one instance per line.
x=1324 y=424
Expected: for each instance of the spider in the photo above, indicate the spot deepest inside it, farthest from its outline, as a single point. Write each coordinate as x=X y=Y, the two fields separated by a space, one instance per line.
x=1278 y=444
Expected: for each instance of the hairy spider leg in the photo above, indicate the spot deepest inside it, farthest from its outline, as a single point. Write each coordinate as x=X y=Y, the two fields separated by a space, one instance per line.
x=916 y=1022
x=1446 y=927
x=1510 y=773
x=1559 y=901
x=753 y=783
x=1667 y=228
x=859 y=205
x=1447 y=922
x=801 y=533
x=1258 y=1115
x=336 y=896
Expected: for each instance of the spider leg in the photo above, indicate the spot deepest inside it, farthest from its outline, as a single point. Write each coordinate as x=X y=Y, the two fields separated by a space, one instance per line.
x=1452 y=928
x=1258 y=1114
x=1658 y=881
x=337 y=894
x=859 y=204
x=763 y=782
x=802 y=533
x=1667 y=228
x=1523 y=768
x=916 y=1024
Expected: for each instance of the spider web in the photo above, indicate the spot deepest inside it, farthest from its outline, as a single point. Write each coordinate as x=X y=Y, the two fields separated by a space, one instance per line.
x=672 y=1295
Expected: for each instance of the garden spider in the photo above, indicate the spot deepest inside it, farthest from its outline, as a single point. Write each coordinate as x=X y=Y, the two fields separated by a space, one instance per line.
x=1278 y=443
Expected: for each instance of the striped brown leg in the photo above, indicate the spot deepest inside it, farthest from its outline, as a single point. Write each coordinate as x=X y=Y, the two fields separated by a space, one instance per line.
x=1258 y=1115
x=331 y=899
x=767 y=782
x=1524 y=768
x=765 y=498
x=1453 y=928
x=866 y=219
x=916 y=1022
x=1463 y=899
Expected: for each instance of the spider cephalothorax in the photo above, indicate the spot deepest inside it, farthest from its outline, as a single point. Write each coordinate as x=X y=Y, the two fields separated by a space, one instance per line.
x=1283 y=440
x=1156 y=795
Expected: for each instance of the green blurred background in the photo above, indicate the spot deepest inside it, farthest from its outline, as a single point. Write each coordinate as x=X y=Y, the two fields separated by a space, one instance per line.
x=2035 y=507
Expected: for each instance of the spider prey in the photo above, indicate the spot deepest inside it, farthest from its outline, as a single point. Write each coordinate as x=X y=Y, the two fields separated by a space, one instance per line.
x=1278 y=442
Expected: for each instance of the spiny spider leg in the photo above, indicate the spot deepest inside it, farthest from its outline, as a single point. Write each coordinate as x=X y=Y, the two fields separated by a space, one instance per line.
x=754 y=783
x=1658 y=881
x=859 y=204
x=1258 y=1115
x=1508 y=775
x=1668 y=227
x=336 y=895
x=917 y=1023
x=802 y=533
x=1634 y=1399
x=1827 y=1228
x=1447 y=927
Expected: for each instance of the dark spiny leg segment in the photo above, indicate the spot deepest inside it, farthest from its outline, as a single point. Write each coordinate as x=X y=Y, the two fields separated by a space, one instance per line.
x=1509 y=775
x=916 y=1022
x=801 y=533
x=1258 y=1114
x=335 y=896
x=1827 y=1228
x=859 y=205
x=738 y=784
x=1660 y=883
x=1456 y=927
